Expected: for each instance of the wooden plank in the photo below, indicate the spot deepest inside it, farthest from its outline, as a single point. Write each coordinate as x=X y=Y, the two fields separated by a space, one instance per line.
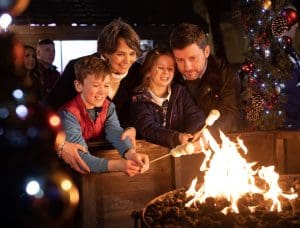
x=292 y=151
x=261 y=146
x=280 y=155
x=88 y=201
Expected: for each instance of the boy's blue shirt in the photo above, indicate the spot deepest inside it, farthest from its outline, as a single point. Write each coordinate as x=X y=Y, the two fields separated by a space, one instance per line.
x=113 y=132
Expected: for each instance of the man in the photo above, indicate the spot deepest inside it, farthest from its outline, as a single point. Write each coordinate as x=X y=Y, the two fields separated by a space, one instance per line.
x=212 y=83
x=45 y=54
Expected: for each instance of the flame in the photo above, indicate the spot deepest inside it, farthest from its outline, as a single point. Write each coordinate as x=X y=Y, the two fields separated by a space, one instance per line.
x=228 y=175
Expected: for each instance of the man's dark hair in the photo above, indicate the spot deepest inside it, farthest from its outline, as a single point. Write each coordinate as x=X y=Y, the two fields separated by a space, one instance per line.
x=185 y=34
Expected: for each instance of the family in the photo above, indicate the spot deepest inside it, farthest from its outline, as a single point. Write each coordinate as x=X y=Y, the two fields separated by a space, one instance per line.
x=164 y=99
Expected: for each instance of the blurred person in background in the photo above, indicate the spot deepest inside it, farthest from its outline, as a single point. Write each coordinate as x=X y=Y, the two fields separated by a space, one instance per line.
x=32 y=75
x=45 y=53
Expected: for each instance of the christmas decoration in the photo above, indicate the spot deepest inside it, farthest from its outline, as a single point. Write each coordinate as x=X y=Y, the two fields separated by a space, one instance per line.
x=37 y=190
x=270 y=66
x=279 y=26
x=248 y=67
x=291 y=16
x=267 y=4
x=287 y=40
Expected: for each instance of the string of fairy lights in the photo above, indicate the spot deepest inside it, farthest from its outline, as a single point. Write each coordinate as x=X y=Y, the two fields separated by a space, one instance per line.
x=267 y=66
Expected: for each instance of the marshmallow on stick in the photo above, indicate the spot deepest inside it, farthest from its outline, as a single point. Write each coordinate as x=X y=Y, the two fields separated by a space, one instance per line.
x=214 y=114
x=182 y=150
x=178 y=151
x=189 y=148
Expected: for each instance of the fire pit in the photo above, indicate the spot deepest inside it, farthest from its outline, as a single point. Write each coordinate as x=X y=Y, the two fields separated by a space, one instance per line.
x=169 y=210
x=234 y=193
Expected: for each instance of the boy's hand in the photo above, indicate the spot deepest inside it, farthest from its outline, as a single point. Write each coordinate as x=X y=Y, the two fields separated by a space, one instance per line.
x=70 y=155
x=127 y=166
x=142 y=160
x=129 y=132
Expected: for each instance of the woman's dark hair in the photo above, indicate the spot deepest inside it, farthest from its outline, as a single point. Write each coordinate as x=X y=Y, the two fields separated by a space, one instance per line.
x=109 y=37
x=36 y=68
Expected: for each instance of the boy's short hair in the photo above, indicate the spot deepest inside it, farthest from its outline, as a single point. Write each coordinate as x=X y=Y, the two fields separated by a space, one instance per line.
x=116 y=29
x=45 y=42
x=185 y=34
x=91 y=65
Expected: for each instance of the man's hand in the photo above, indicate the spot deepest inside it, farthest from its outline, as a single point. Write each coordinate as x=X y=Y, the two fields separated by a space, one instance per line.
x=129 y=132
x=70 y=155
x=142 y=160
x=184 y=138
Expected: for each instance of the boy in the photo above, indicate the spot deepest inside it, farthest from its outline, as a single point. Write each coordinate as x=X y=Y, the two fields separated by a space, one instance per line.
x=90 y=114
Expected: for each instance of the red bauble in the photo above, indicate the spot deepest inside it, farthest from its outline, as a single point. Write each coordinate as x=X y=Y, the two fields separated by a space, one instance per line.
x=291 y=15
x=287 y=40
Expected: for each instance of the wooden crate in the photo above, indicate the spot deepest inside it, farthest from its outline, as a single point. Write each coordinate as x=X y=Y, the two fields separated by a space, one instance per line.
x=109 y=199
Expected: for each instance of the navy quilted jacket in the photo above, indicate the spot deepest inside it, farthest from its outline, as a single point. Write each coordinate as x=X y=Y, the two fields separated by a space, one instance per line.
x=182 y=116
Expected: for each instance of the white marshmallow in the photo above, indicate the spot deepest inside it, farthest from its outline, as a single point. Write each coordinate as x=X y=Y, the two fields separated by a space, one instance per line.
x=212 y=117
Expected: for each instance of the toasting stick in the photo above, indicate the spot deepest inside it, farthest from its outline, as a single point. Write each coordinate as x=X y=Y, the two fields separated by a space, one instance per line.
x=189 y=147
x=178 y=151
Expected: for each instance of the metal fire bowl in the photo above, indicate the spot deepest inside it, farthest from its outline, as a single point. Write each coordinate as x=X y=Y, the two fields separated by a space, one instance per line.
x=289 y=179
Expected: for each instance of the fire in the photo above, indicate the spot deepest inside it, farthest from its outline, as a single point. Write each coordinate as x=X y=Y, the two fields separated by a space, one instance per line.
x=228 y=175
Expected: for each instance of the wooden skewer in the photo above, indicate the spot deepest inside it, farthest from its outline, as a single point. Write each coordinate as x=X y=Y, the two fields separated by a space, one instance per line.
x=166 y=155
x=161 y=157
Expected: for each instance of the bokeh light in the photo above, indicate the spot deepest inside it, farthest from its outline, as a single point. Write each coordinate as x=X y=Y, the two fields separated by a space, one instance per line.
x=5 y=20
x=18 y=94
x=21 y=111
x=32 y=187
x=54 y=120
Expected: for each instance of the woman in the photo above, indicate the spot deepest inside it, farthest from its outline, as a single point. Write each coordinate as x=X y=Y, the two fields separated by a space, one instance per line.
x=31 y=72
x=164 y=112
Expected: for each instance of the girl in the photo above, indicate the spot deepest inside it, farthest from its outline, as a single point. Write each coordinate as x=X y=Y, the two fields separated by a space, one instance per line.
x=163 y=112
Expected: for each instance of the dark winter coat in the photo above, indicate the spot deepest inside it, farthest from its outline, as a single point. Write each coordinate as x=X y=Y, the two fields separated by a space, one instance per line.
x=218 y=88
x=182 y=116
x=49 y=77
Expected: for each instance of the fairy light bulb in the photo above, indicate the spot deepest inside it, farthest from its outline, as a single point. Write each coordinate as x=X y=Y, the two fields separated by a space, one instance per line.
x=267 y=4
x=5 y=21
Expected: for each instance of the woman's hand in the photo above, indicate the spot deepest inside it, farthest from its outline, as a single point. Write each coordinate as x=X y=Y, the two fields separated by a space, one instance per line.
x=70 y=155
x=130 y=132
